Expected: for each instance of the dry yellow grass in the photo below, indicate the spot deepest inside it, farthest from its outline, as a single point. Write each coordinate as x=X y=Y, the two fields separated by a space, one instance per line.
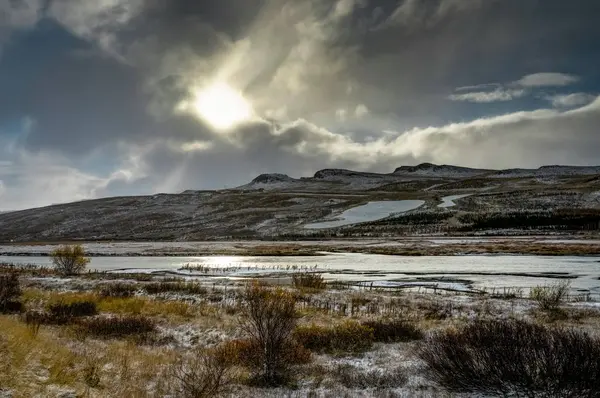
x=50 y=362
x=115 y=305
x=29 y=363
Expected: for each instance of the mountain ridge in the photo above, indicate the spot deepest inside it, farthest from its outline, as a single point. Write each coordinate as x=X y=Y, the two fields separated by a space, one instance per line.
x=423 y=170
x=275 y=205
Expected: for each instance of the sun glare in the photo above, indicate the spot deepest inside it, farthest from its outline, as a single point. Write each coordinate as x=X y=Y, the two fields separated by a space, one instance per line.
x=222 y=106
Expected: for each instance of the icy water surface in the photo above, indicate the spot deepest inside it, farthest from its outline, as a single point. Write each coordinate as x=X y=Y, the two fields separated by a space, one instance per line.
x=455 y=272
x=372 y=211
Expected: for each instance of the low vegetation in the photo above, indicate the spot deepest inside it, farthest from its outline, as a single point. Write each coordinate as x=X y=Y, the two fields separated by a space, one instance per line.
x=346 y=338
x=352 y=377
x=120 y=290
x=10 y=292
x=116 y=326
x=549 y=298
x=63 y=313
x=174 y=287
x=309 y=281
x=145 y=306
x=514 y=358
x=393 y=330
x=169 y=337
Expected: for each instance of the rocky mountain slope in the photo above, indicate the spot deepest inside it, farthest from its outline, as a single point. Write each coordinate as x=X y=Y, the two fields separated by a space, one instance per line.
x=550 y=199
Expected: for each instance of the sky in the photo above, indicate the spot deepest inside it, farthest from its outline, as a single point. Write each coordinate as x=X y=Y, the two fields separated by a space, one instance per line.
x=125 y=97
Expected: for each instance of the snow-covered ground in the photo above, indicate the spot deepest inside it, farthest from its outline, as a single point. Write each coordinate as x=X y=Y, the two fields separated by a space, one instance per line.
x=372 y=211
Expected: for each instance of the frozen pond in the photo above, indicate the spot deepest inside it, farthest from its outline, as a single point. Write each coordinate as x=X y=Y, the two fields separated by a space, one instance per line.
x=372 y=211
x=448 y=201
x=457 y=272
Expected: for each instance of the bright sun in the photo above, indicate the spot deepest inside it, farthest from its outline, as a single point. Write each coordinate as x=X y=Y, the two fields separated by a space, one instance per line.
x=222 y=106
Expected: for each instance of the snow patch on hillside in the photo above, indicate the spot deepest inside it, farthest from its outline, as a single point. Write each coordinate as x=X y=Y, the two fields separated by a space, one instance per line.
x=372 y=211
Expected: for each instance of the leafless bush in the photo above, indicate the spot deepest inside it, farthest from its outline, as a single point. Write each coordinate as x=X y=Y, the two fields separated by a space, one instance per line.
x=10 y=291
x=269 y=318
x=206 y=374
x=69 y=260
x=514 y=358
x=550 y=297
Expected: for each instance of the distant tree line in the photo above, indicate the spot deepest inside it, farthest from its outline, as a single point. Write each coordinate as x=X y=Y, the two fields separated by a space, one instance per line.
x=559 y=219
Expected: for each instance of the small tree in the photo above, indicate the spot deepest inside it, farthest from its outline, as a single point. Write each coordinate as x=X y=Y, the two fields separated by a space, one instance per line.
x=269 y=319
x=69 y=259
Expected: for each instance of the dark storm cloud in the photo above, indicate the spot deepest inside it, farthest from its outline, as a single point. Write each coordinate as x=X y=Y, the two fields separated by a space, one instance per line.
x=103 y=91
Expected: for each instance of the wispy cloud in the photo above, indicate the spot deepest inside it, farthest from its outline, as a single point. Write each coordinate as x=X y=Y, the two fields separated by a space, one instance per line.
x=547 y=80
x=498 y=95
x=496 y=92
x=570 y=100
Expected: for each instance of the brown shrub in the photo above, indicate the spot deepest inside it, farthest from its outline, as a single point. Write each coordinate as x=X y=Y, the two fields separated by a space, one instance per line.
x=269 y=318
x=62 y=313
x=309 y=281
x=247 y=353
x=348 y=337
x=176 y=287
x=116 y=327
x=118 y=290
x=514 y=358
x=10 y=292
x=393 y=330
x=206 y=374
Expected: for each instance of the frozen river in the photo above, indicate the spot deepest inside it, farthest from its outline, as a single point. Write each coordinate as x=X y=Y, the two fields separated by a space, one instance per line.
x=457 y=272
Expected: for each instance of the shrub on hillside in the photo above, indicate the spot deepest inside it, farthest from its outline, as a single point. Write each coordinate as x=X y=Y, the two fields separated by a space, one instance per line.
x=69 y=260
x=514 y=358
